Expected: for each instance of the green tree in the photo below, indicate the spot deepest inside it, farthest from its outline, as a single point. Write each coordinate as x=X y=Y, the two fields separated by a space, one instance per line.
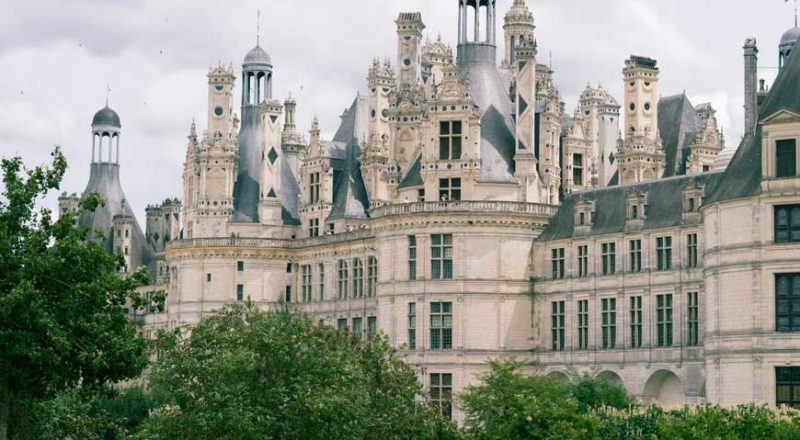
x=249 y=374
x=62 y=318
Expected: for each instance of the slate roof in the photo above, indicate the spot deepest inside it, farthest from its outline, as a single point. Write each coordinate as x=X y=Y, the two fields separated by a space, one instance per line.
x=678 y=124
x=413 y=177
x=665 y=197
x=350 y=198
x=742 y=178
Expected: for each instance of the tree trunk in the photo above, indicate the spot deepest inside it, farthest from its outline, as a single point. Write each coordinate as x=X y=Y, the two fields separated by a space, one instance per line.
x=5 y=407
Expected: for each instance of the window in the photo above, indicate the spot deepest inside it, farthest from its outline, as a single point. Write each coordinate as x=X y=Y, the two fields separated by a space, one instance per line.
x=313 y=227
x=691 y=250
x=609 y=256
x=442 y=256
x=449 y=189
x=449 y=140
x=412 y=326
x=787 y=382
x=208 y=277
x=577 y=169
x=786 y=158
x=609 y=310
x=664 y=253
x=636 y=321
x=321 y=282
x=636 y=255
x=412 y=257
x=313 y=188
x=664 y=320
x=372 y=276
x=341 y=287
x=372 y=326
x=288 y=294
x=787 y=302
x=305 y=275
x=240 y=266
x=583 y=260
x=635 y=211
x=341 y=324
x=239 y=292
x=693 y=317
x=583 y=324
x=421 y=195
x=357 y=326
x=441 y=325
x=358 y=278
x=558 y=263
x=787 y=224
x=557 y=325
x=442 y=393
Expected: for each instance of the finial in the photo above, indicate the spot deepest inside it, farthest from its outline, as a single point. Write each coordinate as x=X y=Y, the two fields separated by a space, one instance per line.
x=108 y=90
x=258 y=28
x=439 y=37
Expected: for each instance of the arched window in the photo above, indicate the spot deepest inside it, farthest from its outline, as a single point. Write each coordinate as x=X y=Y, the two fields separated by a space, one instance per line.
x=358 y=278
x=372 y=276
x=342 y=278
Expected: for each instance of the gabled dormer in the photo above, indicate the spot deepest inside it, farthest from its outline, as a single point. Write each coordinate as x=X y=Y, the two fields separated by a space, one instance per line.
x=584 y=216
x=693 y=194
x=780 y=164
x=635 y=209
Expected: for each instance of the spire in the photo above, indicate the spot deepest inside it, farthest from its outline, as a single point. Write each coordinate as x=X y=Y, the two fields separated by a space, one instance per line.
x=108 y=90
x=258 y=28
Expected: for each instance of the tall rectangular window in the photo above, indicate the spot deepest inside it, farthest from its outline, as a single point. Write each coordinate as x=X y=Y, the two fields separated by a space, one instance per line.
x=313 y=227
x=787 y=224
x=288 y=294
x=240 y=266
x=412 y=257
x=557 y=260
x=583 y=324
x=636 y=321
x=636 y=255
x=240 y=292
x=372 y=276
x=313 y=188
x=305 y=282
x=691 y=250
x=557 y=321
x=343 y=276
x=609 y=256
x=786 y=158
x=450 y=189
x=341 y=324
x=609 y=311
x=372 y=326
x=442 y=393
x=412 y=326
x=693 y=318
x=321 y=282
x=358 y=278
x=441 y=325
x=357 y=328
x=449 y=140
x=577 y=169
x=583 y=260
x=787 y=302
x=664 y=320
x=664 y=253
x=442 y=256
x=787 y=383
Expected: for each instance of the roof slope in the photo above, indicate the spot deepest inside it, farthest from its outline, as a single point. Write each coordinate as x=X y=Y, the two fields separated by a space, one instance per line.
x=678 y=124
x=610 y=211
x=350 y=198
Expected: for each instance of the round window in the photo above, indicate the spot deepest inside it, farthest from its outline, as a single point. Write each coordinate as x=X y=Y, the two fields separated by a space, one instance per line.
x=373 y=113
x=219 y=87
x=385 y=113
x=647 y=106
x=219 y=111
x=633 y=106
x=407 y=61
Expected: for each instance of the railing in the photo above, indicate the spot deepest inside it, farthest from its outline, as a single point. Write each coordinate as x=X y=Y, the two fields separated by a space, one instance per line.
x=465 y=206
x=269 y=242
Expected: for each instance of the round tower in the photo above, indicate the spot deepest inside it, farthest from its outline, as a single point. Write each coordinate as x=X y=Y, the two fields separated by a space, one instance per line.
x=106 y=129
x=518 y=27
x=788 y=40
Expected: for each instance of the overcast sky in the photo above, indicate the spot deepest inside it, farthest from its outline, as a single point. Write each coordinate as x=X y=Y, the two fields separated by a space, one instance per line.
x=57 y=57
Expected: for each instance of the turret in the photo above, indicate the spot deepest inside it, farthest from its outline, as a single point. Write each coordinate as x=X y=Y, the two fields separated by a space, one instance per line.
x=518 y=28
x=409 y=48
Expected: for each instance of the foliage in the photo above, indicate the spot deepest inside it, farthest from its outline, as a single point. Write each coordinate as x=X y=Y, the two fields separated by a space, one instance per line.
x=592 y=392
x=248 y=374
x=62 y=318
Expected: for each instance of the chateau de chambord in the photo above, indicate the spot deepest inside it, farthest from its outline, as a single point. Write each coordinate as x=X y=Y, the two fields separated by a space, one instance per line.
x=465 y=212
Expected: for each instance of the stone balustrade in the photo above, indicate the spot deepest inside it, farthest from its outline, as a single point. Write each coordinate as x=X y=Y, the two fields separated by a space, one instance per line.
x=468 y=206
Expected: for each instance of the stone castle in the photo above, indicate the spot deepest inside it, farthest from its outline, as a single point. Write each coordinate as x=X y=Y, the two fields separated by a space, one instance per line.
x=463 y=212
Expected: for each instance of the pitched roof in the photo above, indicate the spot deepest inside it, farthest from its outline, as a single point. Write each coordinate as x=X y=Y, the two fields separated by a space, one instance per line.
x=610 y=210
x=350 y=199
x=413 y=177
x=678 y=124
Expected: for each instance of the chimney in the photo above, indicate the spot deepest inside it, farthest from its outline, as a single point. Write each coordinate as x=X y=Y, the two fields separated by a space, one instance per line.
x=750 y=85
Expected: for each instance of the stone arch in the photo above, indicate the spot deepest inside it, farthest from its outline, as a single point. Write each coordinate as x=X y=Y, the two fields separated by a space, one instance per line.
x=664 y=388
x=611 y=377
x=560 y=375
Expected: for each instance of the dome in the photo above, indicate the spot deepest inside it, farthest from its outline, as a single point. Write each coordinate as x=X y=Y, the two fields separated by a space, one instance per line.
x=106 y=116
x=791 y=36
x=257 y=55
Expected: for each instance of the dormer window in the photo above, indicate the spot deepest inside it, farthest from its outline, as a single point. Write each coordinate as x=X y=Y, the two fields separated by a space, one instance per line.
x=584 y=213
x=786 y=158
x=780 y=136
x=636 y=208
